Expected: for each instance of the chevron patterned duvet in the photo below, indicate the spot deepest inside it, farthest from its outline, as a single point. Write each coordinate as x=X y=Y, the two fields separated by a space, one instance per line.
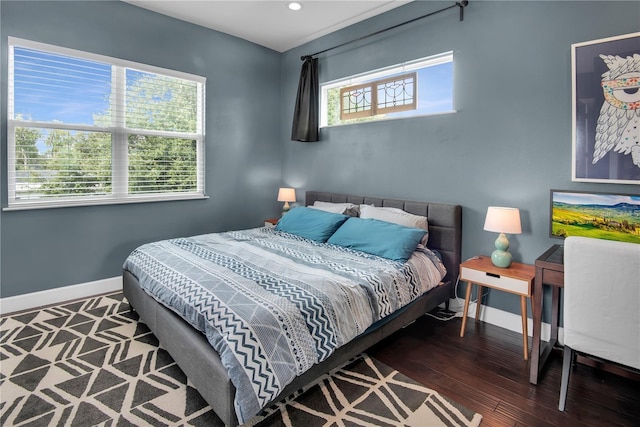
x=274 y=304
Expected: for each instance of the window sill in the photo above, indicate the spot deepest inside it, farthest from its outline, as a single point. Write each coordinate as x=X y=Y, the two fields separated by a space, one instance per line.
x=386 y=119
x=68 y=203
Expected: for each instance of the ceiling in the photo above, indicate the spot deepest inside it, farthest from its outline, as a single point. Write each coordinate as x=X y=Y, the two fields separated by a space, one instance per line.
x=270 y=23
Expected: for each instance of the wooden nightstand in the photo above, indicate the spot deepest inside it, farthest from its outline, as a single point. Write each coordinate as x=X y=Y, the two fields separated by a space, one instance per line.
x=271 y=222
x=517 y=279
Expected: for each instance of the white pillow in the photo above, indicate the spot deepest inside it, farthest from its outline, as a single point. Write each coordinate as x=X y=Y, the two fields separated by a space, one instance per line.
x=341 y=208
x=396 y=216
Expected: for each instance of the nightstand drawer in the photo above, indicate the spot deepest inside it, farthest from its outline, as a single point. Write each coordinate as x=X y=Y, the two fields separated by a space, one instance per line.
x=505 y=283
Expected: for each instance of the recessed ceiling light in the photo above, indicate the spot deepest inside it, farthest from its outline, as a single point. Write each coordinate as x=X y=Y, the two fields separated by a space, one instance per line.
x=294 y=5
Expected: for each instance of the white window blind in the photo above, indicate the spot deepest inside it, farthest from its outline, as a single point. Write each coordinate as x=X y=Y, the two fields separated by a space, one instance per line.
x=87 y=129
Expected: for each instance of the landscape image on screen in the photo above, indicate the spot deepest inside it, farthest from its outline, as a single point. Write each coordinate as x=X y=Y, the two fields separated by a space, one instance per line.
x=601 y=216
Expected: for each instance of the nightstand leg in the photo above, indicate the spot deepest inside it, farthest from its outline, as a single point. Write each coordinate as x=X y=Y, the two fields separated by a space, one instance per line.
x=479 y=303
x=466 y=307
x=525 y=332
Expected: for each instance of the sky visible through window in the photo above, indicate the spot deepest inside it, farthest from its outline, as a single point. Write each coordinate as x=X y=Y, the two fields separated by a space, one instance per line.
x=58 y=88
x=435 y=93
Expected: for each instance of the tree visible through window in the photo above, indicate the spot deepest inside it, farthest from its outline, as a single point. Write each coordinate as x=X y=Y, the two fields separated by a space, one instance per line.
x=86 y=128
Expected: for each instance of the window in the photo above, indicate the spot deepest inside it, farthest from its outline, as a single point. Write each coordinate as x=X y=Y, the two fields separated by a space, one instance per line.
x=89 y=129
x=420 y=87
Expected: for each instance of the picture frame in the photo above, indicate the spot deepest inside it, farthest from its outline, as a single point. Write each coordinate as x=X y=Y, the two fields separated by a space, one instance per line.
x=598 y=215
x=605 y=83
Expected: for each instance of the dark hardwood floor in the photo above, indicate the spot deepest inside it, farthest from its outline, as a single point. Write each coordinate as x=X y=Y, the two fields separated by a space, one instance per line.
x=485 y=372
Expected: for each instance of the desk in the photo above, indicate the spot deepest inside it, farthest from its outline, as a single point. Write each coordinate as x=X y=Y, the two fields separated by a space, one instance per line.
x=549 y=271
x=516 y=279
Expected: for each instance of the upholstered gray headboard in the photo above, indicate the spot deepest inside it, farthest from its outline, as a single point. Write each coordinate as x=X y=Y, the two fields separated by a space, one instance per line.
x=445 y=223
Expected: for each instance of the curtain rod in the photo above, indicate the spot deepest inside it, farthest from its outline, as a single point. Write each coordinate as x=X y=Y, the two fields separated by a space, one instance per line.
x=460 y=4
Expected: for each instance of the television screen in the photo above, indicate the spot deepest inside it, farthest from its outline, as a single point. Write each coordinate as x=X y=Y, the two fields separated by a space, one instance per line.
x=597 y=215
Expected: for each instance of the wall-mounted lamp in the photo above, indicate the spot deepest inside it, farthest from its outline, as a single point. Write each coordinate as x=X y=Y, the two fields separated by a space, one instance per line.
x=504 y=221
x=286 y=195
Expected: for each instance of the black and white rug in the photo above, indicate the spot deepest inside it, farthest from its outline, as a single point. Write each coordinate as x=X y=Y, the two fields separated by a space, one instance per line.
x=91 y=362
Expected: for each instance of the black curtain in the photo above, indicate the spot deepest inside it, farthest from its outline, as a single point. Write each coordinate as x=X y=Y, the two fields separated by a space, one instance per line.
x=305 y=116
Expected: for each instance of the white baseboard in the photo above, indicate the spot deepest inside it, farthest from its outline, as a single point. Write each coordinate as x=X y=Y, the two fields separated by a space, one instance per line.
x=494 y=316
x=57 y=295
x=507 y=320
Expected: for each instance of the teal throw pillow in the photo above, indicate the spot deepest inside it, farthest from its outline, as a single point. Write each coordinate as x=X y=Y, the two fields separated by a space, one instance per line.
x=380 y=238
x=310 y=223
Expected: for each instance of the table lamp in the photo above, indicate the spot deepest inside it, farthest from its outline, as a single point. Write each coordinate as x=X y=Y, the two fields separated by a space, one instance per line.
x=504 y=221
x=286 y=195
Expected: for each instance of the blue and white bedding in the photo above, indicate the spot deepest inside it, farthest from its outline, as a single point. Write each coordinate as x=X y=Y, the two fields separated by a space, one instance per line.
x=273 y=304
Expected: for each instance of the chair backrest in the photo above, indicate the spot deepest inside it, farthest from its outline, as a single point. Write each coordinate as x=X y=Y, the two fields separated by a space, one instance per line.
x=602 y=299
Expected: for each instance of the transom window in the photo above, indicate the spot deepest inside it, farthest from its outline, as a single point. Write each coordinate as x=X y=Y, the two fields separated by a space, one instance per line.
x=89 y=129
x=420 y=87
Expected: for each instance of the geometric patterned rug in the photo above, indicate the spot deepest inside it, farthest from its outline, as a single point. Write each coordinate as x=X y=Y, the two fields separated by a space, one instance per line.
x=91 y=362
x=367 y=392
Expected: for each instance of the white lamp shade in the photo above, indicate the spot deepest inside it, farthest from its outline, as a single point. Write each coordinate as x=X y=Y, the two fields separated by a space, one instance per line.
x=287 y=195
x=503 y=220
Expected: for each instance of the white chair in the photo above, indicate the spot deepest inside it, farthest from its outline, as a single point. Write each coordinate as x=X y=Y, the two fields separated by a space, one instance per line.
x=601 y=303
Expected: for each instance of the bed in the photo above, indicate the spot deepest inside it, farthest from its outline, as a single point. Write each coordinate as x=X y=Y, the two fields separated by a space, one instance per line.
x=209 y=370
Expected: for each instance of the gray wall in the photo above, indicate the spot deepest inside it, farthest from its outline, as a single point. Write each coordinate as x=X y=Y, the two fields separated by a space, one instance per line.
x=49 y=248
x=508 y=144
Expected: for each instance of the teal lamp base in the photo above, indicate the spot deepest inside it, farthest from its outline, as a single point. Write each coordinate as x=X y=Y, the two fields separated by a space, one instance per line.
x=286 y=208
x=500 y=257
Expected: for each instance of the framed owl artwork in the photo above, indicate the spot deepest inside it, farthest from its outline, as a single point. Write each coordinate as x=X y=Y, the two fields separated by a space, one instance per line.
x=606 y=110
